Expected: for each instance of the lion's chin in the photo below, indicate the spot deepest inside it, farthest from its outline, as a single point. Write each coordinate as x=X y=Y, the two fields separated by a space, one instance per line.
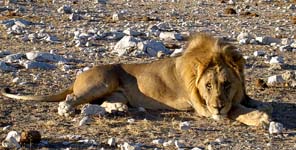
x=218 y=117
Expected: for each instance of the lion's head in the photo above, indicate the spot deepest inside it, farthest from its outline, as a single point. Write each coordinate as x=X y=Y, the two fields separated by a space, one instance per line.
x=213 y=72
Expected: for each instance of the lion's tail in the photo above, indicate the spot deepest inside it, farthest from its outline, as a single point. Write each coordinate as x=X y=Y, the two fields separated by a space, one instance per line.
x=50 y=98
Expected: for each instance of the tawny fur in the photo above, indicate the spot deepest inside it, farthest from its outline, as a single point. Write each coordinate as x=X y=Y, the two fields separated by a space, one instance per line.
x=208 y=77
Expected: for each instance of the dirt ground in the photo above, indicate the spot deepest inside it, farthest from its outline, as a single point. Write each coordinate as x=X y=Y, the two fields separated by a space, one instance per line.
x=186 y=16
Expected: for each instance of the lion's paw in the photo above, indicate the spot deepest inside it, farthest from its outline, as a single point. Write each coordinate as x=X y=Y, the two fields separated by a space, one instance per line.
x=115 y=107
x=264 y=120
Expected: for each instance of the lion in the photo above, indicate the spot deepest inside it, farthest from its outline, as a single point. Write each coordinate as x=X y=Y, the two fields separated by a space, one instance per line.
x=207 y=77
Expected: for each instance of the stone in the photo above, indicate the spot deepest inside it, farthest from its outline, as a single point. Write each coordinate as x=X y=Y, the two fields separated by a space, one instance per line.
x=132 y=32
x=38 y=65
x=158 y=141
x=115 y=35
x=65 y=9
x=111 y=141
x=92 y=109
x=196 y=148
x=184 y=125
x=4 y=53
x=22 y=23
x=179 y=144
x=245 y=36
x=74 y=17
x=170 y=36
x=276 y=60
x=117 y=17
x=85 y=120
x=88 y=141
x=259 y=53
x=152 y=47
x=6 y=127
x=289 y=75
x=51 y=39
x=12 y=140
x=45 y=57
x=129 y=146
x=275 y=79
x=267 y=40
x=285 y=48
x=292 y=7
x=132 y=120
x=5 y=67
x=126 y=45
x=275 y=128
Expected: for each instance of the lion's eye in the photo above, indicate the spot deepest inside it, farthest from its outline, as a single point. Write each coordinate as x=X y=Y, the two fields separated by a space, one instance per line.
x=209 y=86
x=226 y=85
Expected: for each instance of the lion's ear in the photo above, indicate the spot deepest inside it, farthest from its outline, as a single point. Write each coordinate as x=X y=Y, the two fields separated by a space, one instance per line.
x=235 y=57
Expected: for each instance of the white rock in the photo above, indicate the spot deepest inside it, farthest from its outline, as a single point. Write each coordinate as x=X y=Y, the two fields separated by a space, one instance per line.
x=170 y=36
x=275 y=128
x=231 y=2
x=184 y=125
x=287 y=41
x=179 y=144
x=111 y=141
x=158 y=141
x=168 y=143
x=285 y=48
x=5 y=67
x=51 y=39
x=196 y=148
x=126 y=45
x=128 y=146
x=88 y=141
x=92 y=109
x=152 y=47
x=6 y=127
x=45 y=57
x=244 y=36
x=65 y=9
x=84 y=120
x=275 y=79
x=113 y=35
x=38 y=65
x=276 y=60
x=259 y=53
x=132 y=120
x=267 y=40
x=117 y=17
x=11 y=140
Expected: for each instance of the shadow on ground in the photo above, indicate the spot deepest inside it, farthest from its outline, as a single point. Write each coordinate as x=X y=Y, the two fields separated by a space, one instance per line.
x=284 y=113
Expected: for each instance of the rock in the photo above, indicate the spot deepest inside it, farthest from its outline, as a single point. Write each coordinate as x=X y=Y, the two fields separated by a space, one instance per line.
x=85 y=120
x=74 y=17
x=14 y=57
x=88 y=141
x=126 y=45
x=196 y=148
x=259 y=53
x=31 y=136
x=92 y=109
x=179 y=144
x=152 y=47
x=115 y=35
x=128 y=146
x=132 y=120
x=45 y=57
x=158 y=141
x=267 y=40
x=6 y=127
x=141 y=109
x=51 y=39
x=117 y=17
x=286 y=48
x=4 y=53
x=38 y=65
x=11 y=140
x=22 y=23
x=170 y=36
x=5 y=67
x=292 y=7
x=132 y=32
x=168 y=143
x=114 y=107
x=276 y=60
x=177 y=52
x=184 y=125
x=65 y=9
x=275 y=79
x=244 y=37
x=275 y=128
x=111 y=141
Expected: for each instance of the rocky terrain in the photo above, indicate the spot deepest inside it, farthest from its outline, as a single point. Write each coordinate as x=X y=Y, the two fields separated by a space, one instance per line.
x=45 y=44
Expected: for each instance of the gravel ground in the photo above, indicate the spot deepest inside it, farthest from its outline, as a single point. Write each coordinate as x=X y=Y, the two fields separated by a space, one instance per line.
x=86 y=34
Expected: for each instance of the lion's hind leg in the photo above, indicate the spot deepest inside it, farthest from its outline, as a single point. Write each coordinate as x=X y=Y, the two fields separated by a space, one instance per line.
x=249 y=116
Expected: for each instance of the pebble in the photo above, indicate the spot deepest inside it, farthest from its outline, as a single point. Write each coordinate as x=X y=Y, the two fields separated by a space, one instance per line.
x=275 y=128
x=179 y=144
x=275 y=79
x=131 y=120
x=12 y=140
x=132 y=32
x=276 y=60
x=14 y=57
x=38 y=65
x=158 y=141
x=111 y=141
x=170 y=36
x=88 y=141
x=244 y=36
x=6 y=127
x=184 y=125
x=117 y=17
x=196 y=148
x=45 y=57
x=4 y=53
x=259 y=53
x=92 y=109
x=85 y=120
x=267 y=40
x=152 y=47
x=65 y=9
x=128 y=146
x=168 y=143
x=126 y=45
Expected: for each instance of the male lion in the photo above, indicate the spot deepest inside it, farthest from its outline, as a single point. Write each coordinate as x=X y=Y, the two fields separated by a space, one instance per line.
x=208 y=77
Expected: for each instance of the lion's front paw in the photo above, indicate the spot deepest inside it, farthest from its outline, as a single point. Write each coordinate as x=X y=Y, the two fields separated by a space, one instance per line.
x=115 y=107
x=264 y=120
